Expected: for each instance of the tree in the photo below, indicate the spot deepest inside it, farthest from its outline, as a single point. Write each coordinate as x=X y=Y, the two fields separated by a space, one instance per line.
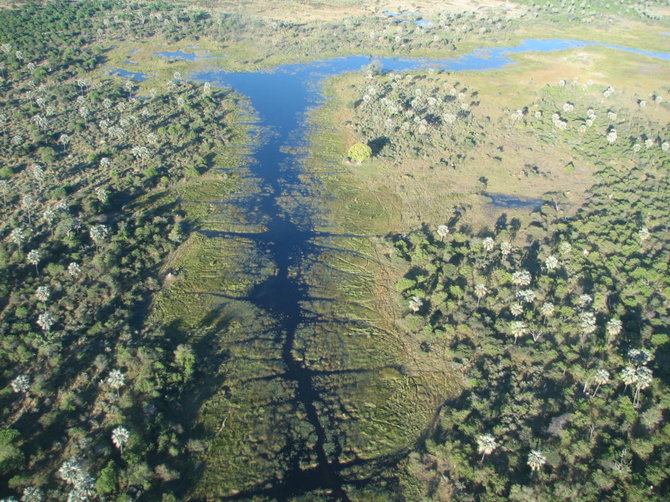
x=488 y=244
x=613 y=328
x=521 y=278
x=42 y=293
x=480 y=292
x=643 y=380
x=359 y=153
x=551 y=262
x=184 y=358
x=21 y=384
x=34 y=257
x=486 y=443
x=116 y=380
x=4 y=191
x=536 y=460
x=74 y=269
x=11 y=456
x=518 y=328
x=45 y=320
x=415 y=304
x=98 y=234
x=120 y=436
x=32 y=494
x=547 y=310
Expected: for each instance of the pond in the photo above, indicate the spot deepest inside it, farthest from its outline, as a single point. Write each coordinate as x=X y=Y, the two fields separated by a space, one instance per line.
x=280 y=99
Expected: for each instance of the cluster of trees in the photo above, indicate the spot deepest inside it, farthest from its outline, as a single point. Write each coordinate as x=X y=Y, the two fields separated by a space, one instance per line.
x=598 y=122
x=90 y=396
x=594 y=11
x=406 y=115
x=560 y=329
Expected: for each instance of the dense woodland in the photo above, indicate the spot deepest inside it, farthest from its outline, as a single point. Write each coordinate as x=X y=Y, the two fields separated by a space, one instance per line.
x=560 y=328
x=90 y=180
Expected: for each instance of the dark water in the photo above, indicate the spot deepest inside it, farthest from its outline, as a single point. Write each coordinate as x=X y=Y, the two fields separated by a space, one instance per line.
x=510 y=201
x=280 y=98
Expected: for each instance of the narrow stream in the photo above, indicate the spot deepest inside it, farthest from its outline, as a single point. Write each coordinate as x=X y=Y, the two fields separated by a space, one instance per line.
x=281 y=99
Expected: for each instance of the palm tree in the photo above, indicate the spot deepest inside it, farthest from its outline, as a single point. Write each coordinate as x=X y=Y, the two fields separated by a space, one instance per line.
x=629 y=376
x=74 y=269
x=70 y=471
x=613 y=328
x=521 y=278
x=27 y=203
x=565 y=248
x=98 y=234
x=32 y=494
x=120 y=437
x=21 y=384
x=551 y=262
x=443 y=231
x=639 y=357
x=587 y=322
x=518 y=328
x=17 y=236
x=45 y=321
x=42 y=293
x=602 y=377
x=34 y=257
x=505 y=248
x=547 y=310
x=49 y=215
x=4 y=191
x=486 y=443
x=480 y=292
x=585 y=300
x=536 y=460
x=116 y=380
x=488 y=244
x=516 y=309
x=526 y=295
x=644 y=377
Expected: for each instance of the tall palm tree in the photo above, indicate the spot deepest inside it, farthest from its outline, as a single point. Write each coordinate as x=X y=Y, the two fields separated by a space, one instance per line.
x=5 y=188
x=120 y=436
x=116 y=380
x=629 y=376
x=613 y=328
x=480 y=292
x=34 y=257
x=486 y=443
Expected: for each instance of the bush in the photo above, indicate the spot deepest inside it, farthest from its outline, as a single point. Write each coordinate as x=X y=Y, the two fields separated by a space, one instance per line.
x=359 y=153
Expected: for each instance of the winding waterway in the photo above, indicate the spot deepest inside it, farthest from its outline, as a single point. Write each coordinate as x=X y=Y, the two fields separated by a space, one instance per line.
x=280 y=99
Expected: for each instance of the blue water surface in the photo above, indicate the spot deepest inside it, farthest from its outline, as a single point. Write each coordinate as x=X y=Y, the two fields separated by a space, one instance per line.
x=186 y=56
x=132 y=75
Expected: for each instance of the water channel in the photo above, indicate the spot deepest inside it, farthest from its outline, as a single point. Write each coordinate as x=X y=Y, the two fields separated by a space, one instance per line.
x=280 y=99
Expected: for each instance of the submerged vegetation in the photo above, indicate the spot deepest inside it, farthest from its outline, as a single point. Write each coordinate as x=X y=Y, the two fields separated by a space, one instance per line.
x=471 y=353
